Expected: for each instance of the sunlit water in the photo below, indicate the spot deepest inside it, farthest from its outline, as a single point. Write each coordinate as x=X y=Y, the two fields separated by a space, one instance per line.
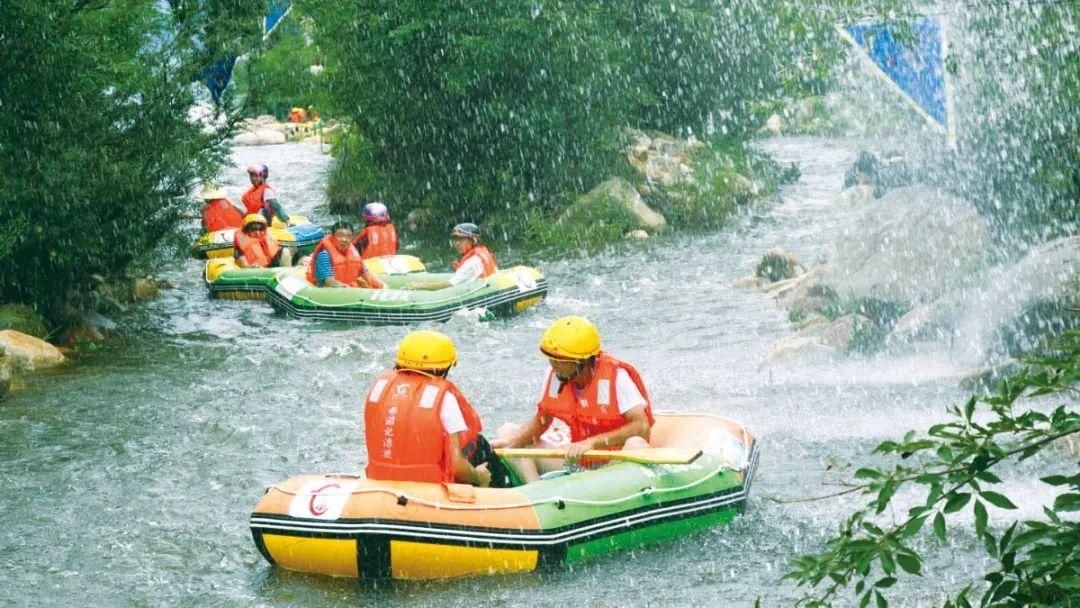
x=127 y=479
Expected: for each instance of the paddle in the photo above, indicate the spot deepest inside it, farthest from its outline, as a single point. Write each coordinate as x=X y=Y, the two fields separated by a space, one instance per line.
x=649 y=456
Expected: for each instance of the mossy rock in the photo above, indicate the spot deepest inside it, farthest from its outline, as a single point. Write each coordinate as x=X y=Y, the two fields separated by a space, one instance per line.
x=24 y=319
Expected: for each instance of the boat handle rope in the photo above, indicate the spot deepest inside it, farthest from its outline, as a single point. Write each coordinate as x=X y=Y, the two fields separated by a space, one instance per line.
x=559 y=501
x=393 y=305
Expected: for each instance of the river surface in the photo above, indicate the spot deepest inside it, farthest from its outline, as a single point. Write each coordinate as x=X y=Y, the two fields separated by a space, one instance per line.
x=128 y=479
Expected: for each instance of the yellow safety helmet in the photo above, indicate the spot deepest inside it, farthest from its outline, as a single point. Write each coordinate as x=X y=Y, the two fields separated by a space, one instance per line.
x=570 y=339
x=253 y=218
x=426 y=349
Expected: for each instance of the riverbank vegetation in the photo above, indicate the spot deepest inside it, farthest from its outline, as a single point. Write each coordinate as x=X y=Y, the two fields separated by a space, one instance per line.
x=507 y=114
x=956 y=468
x=99 y=156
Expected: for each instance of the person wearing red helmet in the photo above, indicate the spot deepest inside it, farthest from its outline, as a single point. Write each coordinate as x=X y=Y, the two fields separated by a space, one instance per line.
x=261 y=198
x=476 y=260
x=379 y=236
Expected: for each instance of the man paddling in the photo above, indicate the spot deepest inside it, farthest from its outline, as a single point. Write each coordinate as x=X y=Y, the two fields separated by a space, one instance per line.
x=599 y=398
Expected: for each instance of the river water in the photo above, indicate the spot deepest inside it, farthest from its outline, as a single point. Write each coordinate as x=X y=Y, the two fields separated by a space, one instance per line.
x=128 y=478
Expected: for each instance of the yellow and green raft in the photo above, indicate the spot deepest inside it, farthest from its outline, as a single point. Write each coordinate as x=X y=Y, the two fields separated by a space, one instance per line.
x=301 y=238
x=506 y=293
x=349 y=526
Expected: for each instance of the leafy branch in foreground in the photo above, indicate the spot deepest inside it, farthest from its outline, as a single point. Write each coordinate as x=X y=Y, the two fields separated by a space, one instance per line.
x=1037 y=563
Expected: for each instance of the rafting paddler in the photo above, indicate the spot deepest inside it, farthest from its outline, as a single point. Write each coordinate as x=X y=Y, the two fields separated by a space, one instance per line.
x=476 y=260
x=418 y=425
x=219 y=213
x=255 y=247
x=596 y=399
x=336 y=263
x=261 y=198
x=379 y=236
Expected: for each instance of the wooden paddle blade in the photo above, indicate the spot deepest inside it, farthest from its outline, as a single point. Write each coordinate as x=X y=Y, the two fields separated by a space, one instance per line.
x=648 y=456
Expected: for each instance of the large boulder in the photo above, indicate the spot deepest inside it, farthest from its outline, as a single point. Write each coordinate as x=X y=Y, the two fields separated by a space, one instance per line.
x=912 y=245
x=624 y=193
x=28 y=351
x=1013 y=298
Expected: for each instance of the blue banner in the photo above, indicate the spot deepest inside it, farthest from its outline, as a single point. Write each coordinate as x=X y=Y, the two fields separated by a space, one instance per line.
x=275 y=12
x=216 y=77
x=912 y=61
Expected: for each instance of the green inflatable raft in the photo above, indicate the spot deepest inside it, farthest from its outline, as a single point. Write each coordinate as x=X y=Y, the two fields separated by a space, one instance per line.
x=508 y=292
x=346 y=525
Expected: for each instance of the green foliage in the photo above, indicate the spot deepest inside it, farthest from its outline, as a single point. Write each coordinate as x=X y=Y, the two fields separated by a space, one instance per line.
x=1036 y=562
x=355 y=180
x=487 y=109
x=280 y=77
x=98 y=152
x=23 y=319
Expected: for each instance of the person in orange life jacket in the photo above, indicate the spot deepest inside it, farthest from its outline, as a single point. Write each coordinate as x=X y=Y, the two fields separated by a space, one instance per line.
x=379 y=237
x=336 y=263
x=599 y=401
x=261 y=198
x=476 y=260
x=219 y=213
x=254 y=247
x=418 y=425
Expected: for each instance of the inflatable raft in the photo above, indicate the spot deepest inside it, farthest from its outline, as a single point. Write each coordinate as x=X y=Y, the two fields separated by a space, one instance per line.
x=503 y=294
x=345 y=525
x=301 y=238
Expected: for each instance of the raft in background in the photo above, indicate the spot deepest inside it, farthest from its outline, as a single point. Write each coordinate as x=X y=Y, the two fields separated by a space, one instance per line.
x=506 y=293
x=346 y=525
x=301 y=238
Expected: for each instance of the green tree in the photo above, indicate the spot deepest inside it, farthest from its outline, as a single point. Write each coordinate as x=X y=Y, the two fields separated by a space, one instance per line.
x=98 y=153
x=952 y=466
x=512 y=109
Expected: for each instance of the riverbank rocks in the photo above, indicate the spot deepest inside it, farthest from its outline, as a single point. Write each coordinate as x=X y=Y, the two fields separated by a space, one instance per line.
x=27 y=351
x=623 y=192
x=778 y=264
x=911 y=245
x=661 y=158
x=261 y=137
x=23 y=318
x=134 y=289
x=847 y=332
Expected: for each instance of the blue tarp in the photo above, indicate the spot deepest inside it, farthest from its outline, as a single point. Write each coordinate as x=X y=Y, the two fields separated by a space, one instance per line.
x=275 y=12
x=915 y=63
x=216 y=77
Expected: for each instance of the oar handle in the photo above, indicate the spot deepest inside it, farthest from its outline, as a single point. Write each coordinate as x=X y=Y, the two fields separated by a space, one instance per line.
x=646 y=456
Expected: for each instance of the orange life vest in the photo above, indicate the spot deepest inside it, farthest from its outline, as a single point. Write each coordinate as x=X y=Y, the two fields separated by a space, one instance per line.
x=482 y=252
x=405 y=436
x=596 y=410
x=376 y=240
x=256 y=251
x=254 y=202
x=347 y=266
x=220 y=214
